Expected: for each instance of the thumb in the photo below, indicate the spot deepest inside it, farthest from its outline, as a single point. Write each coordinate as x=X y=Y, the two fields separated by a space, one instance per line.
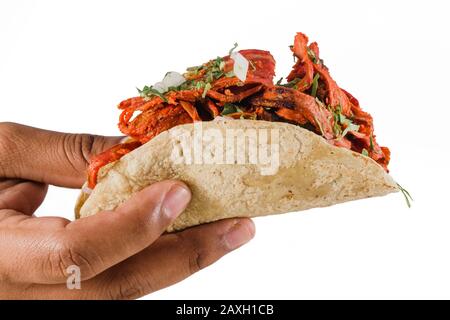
x=107 y=238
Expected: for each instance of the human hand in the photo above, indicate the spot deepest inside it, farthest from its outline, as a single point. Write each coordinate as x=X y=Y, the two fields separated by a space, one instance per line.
x=121 y=254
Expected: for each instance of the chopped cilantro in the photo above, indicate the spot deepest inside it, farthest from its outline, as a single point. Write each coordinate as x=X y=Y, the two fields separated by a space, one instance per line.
x=312 y=56
x=292 y=84
x=214 y=69
x=341 y=120
x=230 y=108
x=350 y=127
x=149 y=92
x=195 y=70
x=205 y=90
x=315 y=85
x=371 y=142
x=406 y=194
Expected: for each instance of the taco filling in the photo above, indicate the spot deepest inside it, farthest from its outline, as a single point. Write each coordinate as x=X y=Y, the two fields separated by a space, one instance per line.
x=240 y=86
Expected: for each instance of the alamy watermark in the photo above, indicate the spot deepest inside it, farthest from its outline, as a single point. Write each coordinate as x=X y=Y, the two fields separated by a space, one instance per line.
x=73 y=277
x=257 y=146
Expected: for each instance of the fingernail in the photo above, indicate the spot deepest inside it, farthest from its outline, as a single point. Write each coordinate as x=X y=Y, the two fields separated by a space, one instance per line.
x=175 y=201
x=239 y=234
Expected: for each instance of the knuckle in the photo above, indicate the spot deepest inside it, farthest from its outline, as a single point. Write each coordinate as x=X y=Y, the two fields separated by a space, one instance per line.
x=66 y=255
x=195 y=262
x=86 y=146
x=78 y=149
x=197 y=256
x=129 y=286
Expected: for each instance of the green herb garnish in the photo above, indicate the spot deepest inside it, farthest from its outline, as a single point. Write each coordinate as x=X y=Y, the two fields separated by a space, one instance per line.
x=350 y=127
x=279 y=81
x=315 y=85
x=336 y=126
x=230 y=108
x=341 y=120
x=371 y=143
x=406 y=194
x=206 y=89
x=149 y=92
x=214 y=69
x=312 y=56
x=199 y=84
x=364 y=152
x=195 y=70
x=292 y=84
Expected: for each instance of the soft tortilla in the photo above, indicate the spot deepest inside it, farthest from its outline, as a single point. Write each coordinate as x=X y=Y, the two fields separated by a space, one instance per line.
x=312 y=173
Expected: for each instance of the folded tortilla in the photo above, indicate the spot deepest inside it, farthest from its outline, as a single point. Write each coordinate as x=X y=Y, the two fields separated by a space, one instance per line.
x=310 y=172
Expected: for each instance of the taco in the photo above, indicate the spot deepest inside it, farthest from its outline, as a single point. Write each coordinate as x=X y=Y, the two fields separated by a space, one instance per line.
x=296 y=145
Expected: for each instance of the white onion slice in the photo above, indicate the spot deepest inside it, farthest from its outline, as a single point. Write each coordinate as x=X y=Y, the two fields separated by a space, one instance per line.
x=173 y=79
x=240 y=67
x=161 y=87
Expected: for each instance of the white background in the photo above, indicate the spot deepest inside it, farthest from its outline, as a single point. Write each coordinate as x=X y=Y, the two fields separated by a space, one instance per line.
x=64 y=65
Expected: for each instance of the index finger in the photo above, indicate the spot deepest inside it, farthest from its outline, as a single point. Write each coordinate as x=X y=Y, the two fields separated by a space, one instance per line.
x=47 y=156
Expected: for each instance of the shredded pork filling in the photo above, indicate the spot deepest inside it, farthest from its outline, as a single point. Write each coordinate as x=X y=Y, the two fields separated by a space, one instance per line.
x=310 y=98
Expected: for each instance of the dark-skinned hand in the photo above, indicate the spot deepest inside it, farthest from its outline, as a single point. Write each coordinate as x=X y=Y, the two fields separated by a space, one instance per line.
x=122 y=254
